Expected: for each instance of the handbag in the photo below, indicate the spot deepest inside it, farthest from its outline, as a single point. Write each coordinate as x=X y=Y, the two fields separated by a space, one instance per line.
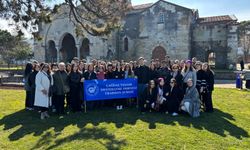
x=66 y=88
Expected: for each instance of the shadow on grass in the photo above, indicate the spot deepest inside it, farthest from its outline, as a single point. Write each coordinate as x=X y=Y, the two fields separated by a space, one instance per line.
x=218 y=123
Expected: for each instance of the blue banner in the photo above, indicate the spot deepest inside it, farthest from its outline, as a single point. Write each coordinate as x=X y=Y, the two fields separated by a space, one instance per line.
x=110 y=89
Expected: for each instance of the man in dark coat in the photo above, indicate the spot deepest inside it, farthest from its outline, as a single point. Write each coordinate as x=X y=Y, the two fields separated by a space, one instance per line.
x=61 y=85
x=142 y=74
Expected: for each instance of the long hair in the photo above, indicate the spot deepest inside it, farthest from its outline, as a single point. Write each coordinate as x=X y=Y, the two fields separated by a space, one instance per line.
x=28 y=69
x=46 y=65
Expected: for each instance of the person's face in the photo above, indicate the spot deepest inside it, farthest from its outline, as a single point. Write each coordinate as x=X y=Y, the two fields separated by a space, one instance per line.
x=61 y=67
x=69 y=67
x=45 y=69
x=198 y=67
x=55 y=68
x=81 y=66
x=188 y=65
x=37 y=68
x=190 y=83
x=101 y=69
x=204 y=67
x=141 y=61
x=162 y=83
x=172 y=83
x=91 y=68
x=75 y=68
x=152 y=84
x=109 y=68
x=175 y=69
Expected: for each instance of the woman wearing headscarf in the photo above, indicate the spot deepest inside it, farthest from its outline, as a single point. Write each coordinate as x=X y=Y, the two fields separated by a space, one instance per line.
x=191 y=101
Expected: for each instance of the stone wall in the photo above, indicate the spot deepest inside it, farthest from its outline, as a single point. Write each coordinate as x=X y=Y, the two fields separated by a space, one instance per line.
x=213 y=38
x=164 y=25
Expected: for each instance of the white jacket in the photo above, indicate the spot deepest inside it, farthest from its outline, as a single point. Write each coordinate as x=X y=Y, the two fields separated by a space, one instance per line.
x=42 y=83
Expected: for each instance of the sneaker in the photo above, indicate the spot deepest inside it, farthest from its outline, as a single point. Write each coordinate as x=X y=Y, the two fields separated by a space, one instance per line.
x=42 y=116
x=121 y=107
x=117 y=108
x=175 y=114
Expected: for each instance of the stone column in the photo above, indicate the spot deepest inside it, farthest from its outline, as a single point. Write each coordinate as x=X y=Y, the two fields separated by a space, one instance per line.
x=78 y=50
x=58 y=53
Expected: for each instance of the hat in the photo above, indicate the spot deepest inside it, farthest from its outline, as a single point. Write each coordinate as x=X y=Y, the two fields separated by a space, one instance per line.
x=189 y=61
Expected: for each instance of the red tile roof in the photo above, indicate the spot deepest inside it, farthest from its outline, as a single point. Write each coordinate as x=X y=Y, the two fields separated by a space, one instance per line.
x=213 y=19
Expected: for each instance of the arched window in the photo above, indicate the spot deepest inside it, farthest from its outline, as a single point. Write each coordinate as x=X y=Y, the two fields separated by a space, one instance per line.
x=51 y=55
x=85 y=50
x=126 y=44
x=211 y=59
x=161 y=18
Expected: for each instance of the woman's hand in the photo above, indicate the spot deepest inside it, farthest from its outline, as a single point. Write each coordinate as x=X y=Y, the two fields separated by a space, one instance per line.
x=82 y=80
x=44 y=92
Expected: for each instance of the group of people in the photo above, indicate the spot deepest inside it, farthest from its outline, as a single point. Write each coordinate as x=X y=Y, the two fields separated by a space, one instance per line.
x=164 y=85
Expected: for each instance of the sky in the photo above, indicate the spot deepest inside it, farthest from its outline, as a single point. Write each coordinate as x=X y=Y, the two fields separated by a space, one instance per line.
x=239 y=8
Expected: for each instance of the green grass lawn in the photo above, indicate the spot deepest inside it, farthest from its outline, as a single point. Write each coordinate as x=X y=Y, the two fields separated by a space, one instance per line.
x=227 y=128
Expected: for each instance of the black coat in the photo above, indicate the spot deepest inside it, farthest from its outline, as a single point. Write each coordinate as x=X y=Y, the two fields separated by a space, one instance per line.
x=74 y=79
x=174 y=99
x=210 y=80
x=89 y=76
x=151 y=97
x=110 y=75
x=201 y=79
x=179 y=79
x=119 y=74
x=32 y=79
x=142 y=73
x=153 y=74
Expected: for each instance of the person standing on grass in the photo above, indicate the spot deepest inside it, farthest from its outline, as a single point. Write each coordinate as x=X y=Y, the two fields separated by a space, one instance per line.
x=90 y=74
x=210 y=87
x=142 y=73
x=44 y=81
x=201 y=81
x=32 y=83
x=61 y=87
x=188 y=72
x=54 y=68
x=27 y=73
x=119 y=74
x=74 y=83
x=242 y=64
x=191 y=101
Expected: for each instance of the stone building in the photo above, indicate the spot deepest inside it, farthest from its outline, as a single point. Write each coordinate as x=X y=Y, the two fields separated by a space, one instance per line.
x=149 y=30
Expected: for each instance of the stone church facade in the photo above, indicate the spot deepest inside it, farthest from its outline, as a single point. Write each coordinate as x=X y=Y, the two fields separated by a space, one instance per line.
x=149 y=30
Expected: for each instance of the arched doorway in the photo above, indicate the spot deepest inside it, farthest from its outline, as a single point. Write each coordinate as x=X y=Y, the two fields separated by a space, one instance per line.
x=51 y=55
x=125 y=44
x=68 y=48
x=211 y=59
x=159 y=53
x=85 y=50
